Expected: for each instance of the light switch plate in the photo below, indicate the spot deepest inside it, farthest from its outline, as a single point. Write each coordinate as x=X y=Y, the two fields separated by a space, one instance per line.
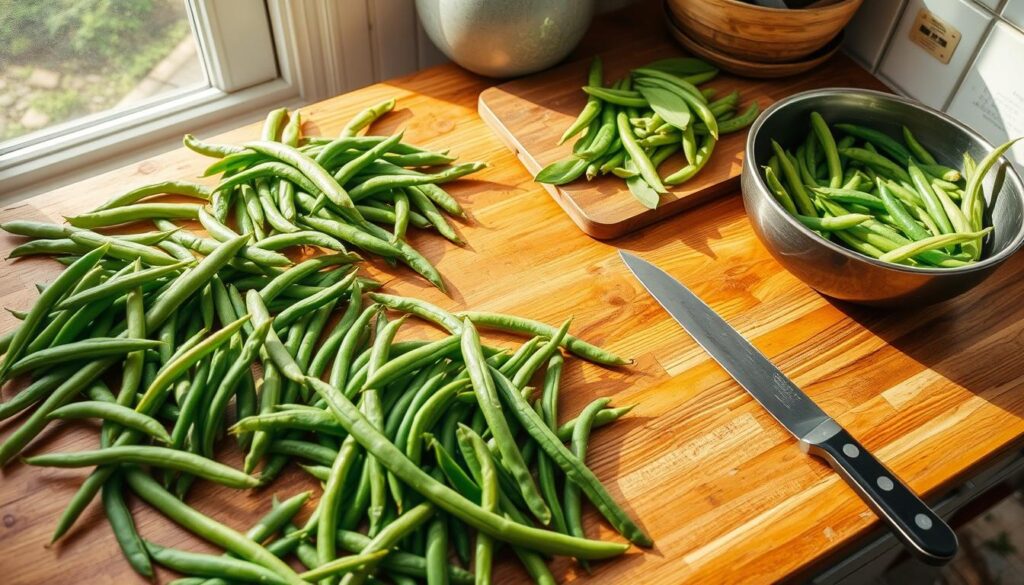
x=991 y=98
x=915 y=70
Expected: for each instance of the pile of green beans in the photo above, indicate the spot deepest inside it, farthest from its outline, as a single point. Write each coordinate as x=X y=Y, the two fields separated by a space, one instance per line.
x=634 y=125
x=432 y=453
x=287 y=190
x=884 y=197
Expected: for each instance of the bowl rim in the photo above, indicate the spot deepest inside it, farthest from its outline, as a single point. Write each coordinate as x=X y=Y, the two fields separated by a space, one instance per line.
x=834 y=7
x=765 y=192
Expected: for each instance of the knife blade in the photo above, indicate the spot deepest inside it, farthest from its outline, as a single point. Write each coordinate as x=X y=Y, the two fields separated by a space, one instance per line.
x=923 y=532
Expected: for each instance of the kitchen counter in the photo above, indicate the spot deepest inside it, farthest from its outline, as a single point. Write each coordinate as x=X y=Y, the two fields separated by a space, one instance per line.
x=935 y=393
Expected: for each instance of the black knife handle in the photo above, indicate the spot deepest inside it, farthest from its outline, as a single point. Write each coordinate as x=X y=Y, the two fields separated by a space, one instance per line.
x=924 y=533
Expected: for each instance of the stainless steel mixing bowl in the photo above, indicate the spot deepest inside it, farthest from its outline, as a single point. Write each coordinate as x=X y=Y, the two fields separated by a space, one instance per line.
x=842 y=273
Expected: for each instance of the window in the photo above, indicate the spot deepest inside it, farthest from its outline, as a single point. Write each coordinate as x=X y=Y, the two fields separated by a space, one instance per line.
x=68 y=59
x=84 y=80
x=98 y=83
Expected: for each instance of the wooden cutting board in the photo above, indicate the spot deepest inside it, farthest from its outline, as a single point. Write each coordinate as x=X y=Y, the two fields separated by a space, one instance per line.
x=530 y=114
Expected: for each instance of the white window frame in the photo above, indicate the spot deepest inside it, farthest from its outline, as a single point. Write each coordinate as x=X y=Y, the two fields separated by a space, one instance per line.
x=237 y=45
x=320 y=49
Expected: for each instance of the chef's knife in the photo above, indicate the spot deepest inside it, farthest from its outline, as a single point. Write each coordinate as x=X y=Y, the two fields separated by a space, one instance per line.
x=923 y=532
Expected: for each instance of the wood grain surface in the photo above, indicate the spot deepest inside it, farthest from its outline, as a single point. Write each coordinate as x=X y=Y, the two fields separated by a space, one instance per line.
x=722 y=489
x=531 y=113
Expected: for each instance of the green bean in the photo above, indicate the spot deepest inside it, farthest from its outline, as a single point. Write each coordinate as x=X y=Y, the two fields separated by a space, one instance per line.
x=580 y=436
x=320 y=178
x=904 y=220
x=973 y=202
x=211 y=150
x=595 y=78
x=931 y=201
x=292 y=132
x=830 y=224
x=281 y=357
x=796 y=185
x=545 y=469
x=43 y=305
x=314 y=302
x=932 y=243
x=35 y=391
x=430 y=211
x=116 y=413
x=775 y=186
x=330 y=502
x=352 y=167
x=177 y=367
x=224 y=234
x=828 y=145
x=488 y=501
x=116 y=286
x=123 y=527
x=637 y=155
x=533 y=362
x=212 y=566
x=206 y=528
x=136 y=212
x=69 y=388
x=693 y=98
x=191 y=281
x=366 y=117
x=668 y=106
x=153 y=456
x=344 y=565
x=353 y=236
x=915 y=147
x=309 y=451
x=271 y=128
x=575 y=470
x=876 y=161
x=378 y=183
x=301 y=238
x=437 y=551
x=500 y=528
x=487 y=398
x=269 y=208
x=186 y=188
x=956 y=217
x=879 y=139
x=318 y=422
x=411 y=361
x=401 y=562
x=239 y=369
x=522 y=325
x=625 y=98
x=941 y=172
x=390 y=536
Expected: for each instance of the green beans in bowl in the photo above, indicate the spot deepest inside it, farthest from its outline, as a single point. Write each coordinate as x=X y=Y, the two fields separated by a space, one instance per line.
x=877 y=199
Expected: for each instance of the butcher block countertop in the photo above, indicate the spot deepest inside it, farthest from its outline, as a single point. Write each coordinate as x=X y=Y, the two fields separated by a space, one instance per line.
x=935 y=393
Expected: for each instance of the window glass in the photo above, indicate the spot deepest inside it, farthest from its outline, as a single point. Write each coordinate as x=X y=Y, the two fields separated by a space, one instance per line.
x=64 y=59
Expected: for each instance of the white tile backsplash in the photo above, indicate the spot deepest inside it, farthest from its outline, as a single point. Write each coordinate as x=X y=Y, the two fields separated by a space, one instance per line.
x=1013 y=11
x=991 y=97
x=867 y=34
x=916 y=71
x=983 y=84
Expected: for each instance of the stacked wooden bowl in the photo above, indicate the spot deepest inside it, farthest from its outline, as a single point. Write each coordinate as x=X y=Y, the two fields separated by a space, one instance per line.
x=756 y=41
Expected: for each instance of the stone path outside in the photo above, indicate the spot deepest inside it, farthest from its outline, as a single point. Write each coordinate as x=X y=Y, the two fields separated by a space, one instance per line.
x=22 y=88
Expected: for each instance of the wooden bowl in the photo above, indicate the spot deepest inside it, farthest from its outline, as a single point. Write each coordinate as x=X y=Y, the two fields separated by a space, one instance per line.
x=758 y=34
x=755 y=69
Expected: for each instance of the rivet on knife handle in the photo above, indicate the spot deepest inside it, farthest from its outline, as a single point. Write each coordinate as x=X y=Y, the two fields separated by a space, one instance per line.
x=924 y=533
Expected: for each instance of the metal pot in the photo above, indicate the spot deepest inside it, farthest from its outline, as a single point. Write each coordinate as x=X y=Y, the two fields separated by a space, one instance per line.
x=505 y=38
